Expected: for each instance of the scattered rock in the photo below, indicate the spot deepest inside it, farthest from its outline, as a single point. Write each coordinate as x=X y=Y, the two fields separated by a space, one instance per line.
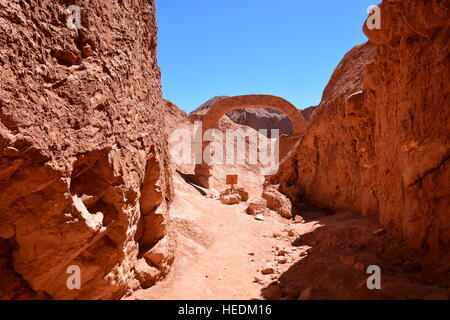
x=379 y=232
x=145 y=273
x=268 y=269
x=278 y=202
x=282 y=252
x=291 y=233
x=276 y=235
x=282 y=260
x=258 y=279
x=257 y=206
x=230 y=199
x=162 y=254
x=299 y=219
x=259 y=217
x=272 y=292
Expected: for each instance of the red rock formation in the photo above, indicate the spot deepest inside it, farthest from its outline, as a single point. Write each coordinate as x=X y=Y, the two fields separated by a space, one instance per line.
x=83 y=177
x=379 y=141
x=308 y=112
x=256 y=118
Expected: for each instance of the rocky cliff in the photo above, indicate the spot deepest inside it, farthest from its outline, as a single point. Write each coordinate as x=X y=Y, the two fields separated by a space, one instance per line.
x=379 y=141
x=83 y=156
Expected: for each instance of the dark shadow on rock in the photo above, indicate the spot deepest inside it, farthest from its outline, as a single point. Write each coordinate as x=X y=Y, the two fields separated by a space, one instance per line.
x=190 y=179
x=338 y=253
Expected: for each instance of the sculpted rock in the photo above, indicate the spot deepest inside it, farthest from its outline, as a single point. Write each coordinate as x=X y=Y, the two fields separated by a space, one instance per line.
x=278 y=202
x=378 y=143
x=83 y=158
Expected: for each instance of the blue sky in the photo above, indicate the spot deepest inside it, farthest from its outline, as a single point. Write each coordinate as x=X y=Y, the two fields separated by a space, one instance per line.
x=287 y=48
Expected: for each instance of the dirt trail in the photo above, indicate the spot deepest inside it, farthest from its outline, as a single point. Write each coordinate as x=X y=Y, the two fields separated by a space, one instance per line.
x=221 y=252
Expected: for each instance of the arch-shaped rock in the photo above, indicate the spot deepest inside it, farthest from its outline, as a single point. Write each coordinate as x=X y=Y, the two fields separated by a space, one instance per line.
x=219 y=109
x=216 y=111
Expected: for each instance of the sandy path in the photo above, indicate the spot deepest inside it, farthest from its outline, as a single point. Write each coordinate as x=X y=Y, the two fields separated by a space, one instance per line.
x=214 y=243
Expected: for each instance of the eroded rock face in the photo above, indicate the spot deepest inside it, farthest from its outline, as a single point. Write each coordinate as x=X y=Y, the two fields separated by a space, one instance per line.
x=83 y=156
x=379 y=141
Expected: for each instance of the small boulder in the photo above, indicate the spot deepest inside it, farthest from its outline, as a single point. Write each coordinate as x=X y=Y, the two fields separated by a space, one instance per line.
x=276 y=235
x=282 y=252
x=257 y=206
x=282 y=260
x=268 y=269
x=145 y=274
x=278 y=202
x=291 y=232
x=299 y=219
x=243 y=193
x=213 y=194
x=230 y=197
x=162 y=254
x=258 y=279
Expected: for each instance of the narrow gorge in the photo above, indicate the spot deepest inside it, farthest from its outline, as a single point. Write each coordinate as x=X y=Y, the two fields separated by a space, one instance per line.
x=91 y=178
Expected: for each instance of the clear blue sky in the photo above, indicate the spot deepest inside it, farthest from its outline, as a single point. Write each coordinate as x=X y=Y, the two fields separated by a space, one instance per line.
x=287 y=48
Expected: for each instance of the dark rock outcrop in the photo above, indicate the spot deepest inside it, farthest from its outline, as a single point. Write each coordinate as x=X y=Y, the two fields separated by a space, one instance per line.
x=379 y=141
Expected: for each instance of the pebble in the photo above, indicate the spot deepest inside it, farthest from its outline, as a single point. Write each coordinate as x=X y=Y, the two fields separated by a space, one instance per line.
x=259 y=217
x=268 y=270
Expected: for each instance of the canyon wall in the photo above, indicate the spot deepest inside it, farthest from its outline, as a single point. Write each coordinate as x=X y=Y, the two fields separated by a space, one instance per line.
x=84 y=177
x=379 y=141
